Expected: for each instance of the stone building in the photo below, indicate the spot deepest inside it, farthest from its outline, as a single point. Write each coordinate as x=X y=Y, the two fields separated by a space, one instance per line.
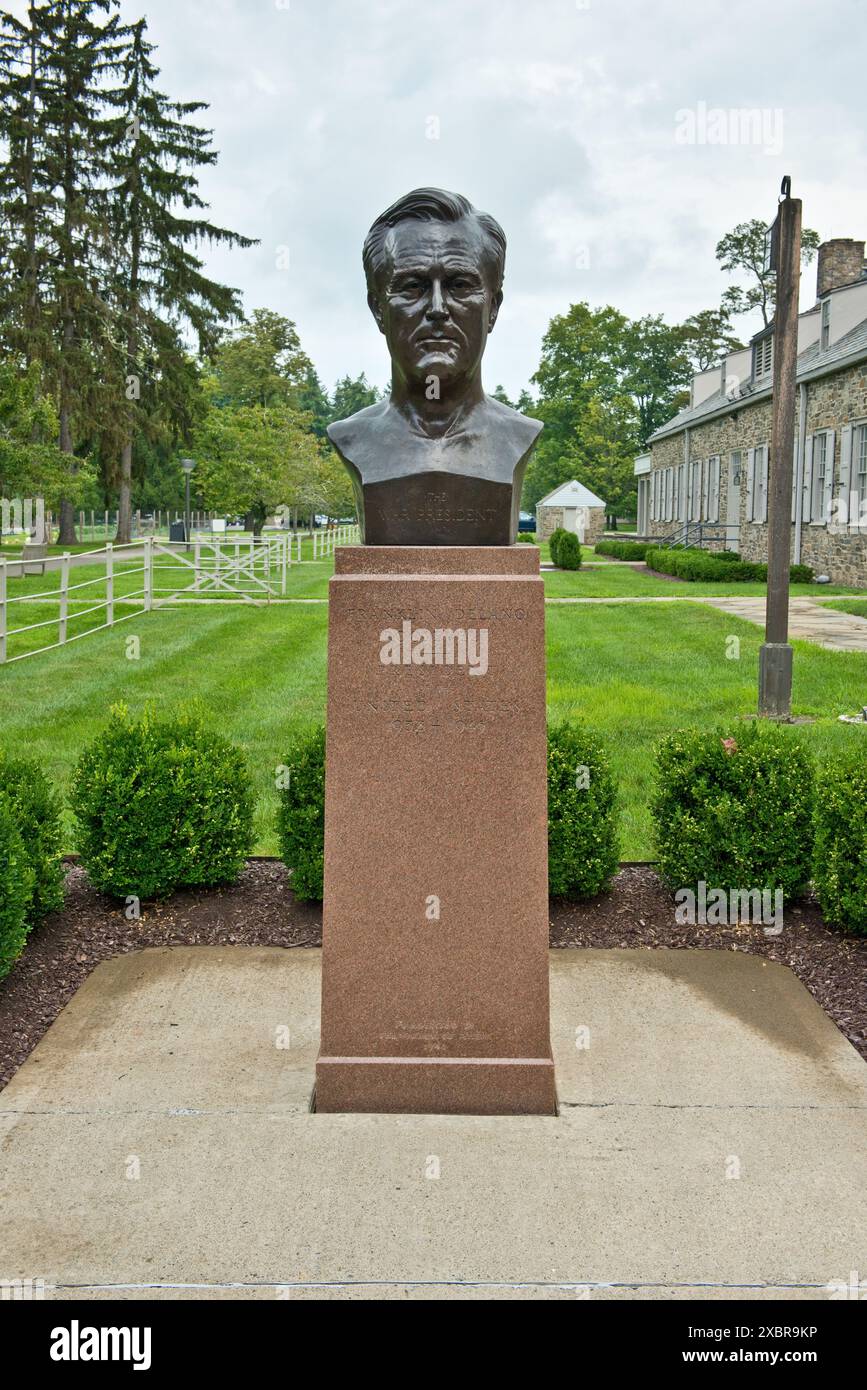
x=705 y=479
x=574 y=507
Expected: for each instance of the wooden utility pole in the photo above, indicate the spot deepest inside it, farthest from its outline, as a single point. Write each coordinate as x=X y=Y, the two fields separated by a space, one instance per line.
x=775 y=658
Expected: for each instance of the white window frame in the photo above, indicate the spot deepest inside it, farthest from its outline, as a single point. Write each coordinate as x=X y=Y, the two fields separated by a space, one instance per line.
x=825 y=330
x=859 y=467
x=822 y=481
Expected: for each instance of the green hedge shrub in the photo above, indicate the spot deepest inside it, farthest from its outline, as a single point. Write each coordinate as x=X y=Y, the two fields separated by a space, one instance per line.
x=301 y=813
x=622 y=550
x=527 y=536
x=36 y=811
x=583 y=840
x=734 y=807
x=582 y=814
x=840 y=855
x=713 y=567
x=16 y=888
x=569 y=552
x=161 y=804
x=554 y=543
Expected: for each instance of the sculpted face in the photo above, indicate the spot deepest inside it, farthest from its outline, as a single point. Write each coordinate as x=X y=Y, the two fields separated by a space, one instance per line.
x=436 y=301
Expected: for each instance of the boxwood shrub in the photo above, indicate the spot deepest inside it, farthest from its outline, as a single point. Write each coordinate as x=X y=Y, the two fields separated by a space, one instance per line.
x=160 y=804
x=622 y=550
x=16 y=888
x=583 y=840
x=715 y=566
x=554 y=543
x=569 y=552
x=582 y=813
x=733 y=807
x=36 y=810
x=301 y=813
x=840 y=855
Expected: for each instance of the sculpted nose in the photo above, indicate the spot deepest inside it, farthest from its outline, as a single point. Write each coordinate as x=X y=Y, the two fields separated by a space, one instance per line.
x=436 y=308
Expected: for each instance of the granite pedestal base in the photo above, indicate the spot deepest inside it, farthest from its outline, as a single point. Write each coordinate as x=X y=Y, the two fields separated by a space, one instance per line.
x=435 y=923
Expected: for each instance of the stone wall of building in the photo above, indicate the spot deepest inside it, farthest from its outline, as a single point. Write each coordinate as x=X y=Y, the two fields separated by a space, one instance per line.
x=832 y=401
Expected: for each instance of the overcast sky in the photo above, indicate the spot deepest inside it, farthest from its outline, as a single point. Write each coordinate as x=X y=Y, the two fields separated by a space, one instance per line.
x=565 y=120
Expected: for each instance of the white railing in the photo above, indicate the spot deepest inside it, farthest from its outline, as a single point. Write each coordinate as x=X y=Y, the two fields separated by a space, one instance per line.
x=253 y=570
x=250 y=571
x=324 y=542
x=141 y=597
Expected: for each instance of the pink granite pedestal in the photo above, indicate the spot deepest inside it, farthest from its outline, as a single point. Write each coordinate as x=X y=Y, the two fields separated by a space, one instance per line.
x=435 y=930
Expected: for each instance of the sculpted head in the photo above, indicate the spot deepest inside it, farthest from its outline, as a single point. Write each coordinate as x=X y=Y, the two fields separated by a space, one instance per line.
x=434 y=268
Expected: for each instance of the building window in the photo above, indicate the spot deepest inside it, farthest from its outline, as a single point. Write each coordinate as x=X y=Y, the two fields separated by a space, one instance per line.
x=825 y=340
x=860 y=454
x=821 y=465
x=763 y=357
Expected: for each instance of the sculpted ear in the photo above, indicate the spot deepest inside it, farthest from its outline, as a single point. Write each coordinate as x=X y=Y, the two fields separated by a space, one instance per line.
x=374 y=306
x=495 y=309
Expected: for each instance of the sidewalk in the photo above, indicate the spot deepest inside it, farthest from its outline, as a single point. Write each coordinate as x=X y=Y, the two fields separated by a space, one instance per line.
x=710 y=1144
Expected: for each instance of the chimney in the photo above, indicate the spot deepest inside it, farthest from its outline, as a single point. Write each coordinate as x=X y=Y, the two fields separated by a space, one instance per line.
x=840 y=262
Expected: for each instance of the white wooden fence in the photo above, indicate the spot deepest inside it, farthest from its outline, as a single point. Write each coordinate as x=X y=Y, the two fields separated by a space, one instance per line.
x=216 y=569
x=324 y=542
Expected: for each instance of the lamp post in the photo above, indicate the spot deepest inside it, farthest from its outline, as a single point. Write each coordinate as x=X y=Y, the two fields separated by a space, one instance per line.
x=188 y=465
x=775 y=657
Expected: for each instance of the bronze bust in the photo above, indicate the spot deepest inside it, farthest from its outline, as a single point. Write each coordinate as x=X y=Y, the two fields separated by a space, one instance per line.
x=437 y=462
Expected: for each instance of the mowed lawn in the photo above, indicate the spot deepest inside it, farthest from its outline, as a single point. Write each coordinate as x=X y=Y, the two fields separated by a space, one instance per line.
x=630 y=671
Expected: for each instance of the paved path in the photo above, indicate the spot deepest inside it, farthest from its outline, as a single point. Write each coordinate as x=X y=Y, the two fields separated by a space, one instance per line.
x=830 y=627
x=710 y=1144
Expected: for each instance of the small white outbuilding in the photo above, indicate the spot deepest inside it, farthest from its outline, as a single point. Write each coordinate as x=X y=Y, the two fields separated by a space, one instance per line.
x=574 y=507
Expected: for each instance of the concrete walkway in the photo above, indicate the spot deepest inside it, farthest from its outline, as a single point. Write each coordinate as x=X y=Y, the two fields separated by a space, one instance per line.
x=829 y=627
x=710 y=1144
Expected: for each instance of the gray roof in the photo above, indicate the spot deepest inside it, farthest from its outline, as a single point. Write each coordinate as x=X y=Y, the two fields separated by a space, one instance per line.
x=573 y=494
x=813 y=361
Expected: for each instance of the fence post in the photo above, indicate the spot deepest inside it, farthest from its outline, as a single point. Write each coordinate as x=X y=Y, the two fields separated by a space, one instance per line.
x=2 y=611
x=217 y=558
x=148 y=574
x=64 y=597
x=285 y=561
x=197 y=558
x=109 y=585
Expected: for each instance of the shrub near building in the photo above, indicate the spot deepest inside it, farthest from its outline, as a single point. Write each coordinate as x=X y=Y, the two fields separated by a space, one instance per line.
x=161 y=804
x=840 y=859
x=733 y=809
x=31 y=871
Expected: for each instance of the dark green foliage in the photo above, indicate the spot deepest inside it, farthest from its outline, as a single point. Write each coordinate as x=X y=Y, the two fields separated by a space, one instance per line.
x=582 y=824
x=622 y=550
x=301 y=813
x=529 y=537
x=840 y=856
x=16 y=888
x=733 y=807
x=161 y=804
x=582 y=814
x=569 y=552
x=554 y=543
x=712 y=567
x=35 y=807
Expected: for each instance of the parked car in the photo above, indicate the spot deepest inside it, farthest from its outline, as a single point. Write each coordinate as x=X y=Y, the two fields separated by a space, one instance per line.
x=526 y=521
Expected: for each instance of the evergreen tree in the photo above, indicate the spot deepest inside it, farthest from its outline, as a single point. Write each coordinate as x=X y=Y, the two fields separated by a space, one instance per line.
x=157 y=283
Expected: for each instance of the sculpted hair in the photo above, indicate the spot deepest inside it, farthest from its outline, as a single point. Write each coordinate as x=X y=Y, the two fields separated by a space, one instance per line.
x=431 y=205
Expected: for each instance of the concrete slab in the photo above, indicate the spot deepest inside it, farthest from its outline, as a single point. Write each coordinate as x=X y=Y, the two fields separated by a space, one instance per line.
x=710 y=1144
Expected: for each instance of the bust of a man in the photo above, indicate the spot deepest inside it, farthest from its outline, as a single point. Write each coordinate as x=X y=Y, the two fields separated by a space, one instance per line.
x=437 y=462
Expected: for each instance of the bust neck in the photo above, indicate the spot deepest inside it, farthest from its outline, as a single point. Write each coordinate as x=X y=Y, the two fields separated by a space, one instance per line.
x=448 y=414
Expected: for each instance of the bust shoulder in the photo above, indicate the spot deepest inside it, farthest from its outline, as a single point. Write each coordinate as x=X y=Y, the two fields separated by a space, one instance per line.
x=523 y=430
x=357 y=428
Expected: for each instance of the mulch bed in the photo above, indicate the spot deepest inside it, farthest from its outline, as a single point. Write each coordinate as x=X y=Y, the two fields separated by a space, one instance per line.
x=260 y=911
